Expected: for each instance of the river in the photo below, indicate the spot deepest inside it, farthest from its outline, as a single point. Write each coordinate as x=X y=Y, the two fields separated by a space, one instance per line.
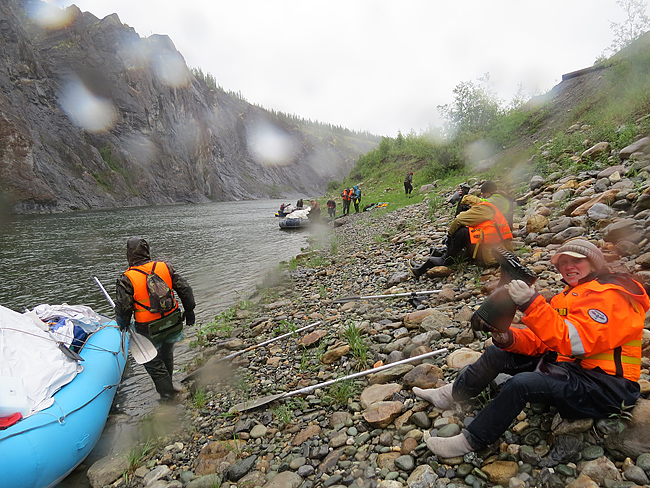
x=223 y=250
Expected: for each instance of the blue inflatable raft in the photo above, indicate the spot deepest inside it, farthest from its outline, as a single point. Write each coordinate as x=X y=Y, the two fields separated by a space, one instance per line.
x=43 y=448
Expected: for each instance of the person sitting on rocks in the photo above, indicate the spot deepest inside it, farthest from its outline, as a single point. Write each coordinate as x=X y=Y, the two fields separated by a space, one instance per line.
x=581 y=353
x=501 y=199
x=471 y=235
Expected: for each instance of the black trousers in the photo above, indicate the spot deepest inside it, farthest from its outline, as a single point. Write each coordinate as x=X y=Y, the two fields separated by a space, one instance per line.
x=161 y=369
x=408 y=188
x=576 y=392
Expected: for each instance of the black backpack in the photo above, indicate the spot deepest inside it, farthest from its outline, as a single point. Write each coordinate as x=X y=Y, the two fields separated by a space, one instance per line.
x=161 y=297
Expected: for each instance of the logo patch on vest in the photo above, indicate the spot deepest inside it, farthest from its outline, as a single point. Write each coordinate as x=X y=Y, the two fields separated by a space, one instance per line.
x=598 y=316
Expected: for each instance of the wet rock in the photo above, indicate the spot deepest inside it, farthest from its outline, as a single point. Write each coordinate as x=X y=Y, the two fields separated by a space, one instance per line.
x=378 y=393
x=382 y=414
x=500 y=472
x=601 y=469
x=423 y=376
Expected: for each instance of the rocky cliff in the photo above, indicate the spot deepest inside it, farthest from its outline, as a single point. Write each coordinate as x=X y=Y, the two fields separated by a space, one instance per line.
x=92 y=115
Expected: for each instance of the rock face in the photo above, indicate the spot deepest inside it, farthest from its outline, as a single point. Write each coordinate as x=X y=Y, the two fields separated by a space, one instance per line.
x=92 y=115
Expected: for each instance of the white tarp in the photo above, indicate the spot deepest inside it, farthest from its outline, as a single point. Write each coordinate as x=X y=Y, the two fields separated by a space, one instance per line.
x=29 y=353
x=299 y=214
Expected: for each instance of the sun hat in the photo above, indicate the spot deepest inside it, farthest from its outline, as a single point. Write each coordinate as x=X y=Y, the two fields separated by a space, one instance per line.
x=583 y=249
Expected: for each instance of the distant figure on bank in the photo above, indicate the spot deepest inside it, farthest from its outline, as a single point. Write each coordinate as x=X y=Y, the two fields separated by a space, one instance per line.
x=346 y=195
x=356 y=198
x=471 y=235
x=314 y=213
x=157 y=317
x=501 y=199
x=580 y=353
x=299 y=204
x=331 y=208
x=408 y=183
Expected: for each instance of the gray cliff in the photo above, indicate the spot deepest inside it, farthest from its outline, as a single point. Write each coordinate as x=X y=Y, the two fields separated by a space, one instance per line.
x=93 y=116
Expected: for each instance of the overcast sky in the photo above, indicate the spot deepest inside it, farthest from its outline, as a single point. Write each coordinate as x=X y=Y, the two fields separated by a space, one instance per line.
x=376 y=65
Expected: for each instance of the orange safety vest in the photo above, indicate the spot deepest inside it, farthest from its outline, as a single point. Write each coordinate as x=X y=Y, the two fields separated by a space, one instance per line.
x=595 y=324
x=490 y=231
x=347 y=195
x=140 y=293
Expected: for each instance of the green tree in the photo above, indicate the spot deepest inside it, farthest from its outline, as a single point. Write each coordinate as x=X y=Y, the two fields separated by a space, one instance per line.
x=636 y=23
x=474 y=109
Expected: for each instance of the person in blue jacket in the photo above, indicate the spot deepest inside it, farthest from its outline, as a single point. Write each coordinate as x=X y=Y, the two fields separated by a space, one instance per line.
x=356 y=198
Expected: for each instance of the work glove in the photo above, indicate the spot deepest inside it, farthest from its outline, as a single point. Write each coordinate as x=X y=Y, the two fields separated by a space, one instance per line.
x=189 y=317
x=520 y=292
x=122 y=324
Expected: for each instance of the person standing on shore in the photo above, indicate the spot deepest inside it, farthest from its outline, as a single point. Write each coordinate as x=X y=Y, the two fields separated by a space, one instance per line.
x=346 y=195
x=357 y=198
x=408 y=183
x=161 y=322
x=331 y=208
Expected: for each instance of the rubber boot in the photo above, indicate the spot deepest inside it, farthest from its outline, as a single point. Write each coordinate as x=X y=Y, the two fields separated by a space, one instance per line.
x=433 y=261
x=165 y=388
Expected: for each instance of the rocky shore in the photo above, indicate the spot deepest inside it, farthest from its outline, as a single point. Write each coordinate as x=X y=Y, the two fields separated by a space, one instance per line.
x=368 y=431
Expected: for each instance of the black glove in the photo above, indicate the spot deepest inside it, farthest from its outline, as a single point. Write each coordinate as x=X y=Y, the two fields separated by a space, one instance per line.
x=189 y=317
x=122 y=324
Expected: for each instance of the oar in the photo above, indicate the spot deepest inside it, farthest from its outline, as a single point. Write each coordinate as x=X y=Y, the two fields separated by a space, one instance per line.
x=249 y=405
x=141 y=348
x=196 y=373
x=392 y=295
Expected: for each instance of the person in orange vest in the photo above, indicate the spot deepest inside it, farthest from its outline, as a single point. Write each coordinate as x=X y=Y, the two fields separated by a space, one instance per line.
x=346 y=196
x=472 y=235
x=580 y=353
x=164 y=328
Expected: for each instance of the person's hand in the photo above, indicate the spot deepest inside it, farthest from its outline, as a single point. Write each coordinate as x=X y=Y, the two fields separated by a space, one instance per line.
x=123 y=324
x=189 y=317
x=520 y=292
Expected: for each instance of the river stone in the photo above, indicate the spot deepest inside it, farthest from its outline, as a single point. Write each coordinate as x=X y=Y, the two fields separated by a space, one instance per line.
x=312 y=338
x=390 y=484
x=286 y=479
x=500 y=472
x=216 y=457
x=208 y=481
x=258 y=431
x=536 y=182
x=636 y=474
x=381 y=414
x=339 y=419
x=416 y=318
x=405 y=463
x=449 y=430
x=536 y=224
x=107 y=470
x=389 y=374
x=421 y=420
x=378 y=393
x=423 y=376
x=330 y=460
x=600 y=211
x=306 y=434
x=240 y=469
x=643 y=260
x=639 y=146
x=334 y=355
x=624 y=229
x=387 y=460
x=462 y=357
x=607 y=197
x=571 y=426
x=601 y=469
x=567 y=234
x=435 y=321
x=598 y=149
x=254 y=478
x=339 y=439
x=590 y=453
x=408 y=446
x=306 y=470
x=583 y=482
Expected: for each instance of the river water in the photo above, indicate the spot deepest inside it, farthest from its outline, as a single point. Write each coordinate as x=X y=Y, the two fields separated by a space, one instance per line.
x=222 y=249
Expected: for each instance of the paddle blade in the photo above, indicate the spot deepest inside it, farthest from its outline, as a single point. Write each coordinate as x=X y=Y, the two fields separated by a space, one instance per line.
x=141 y=348
x=254 y=403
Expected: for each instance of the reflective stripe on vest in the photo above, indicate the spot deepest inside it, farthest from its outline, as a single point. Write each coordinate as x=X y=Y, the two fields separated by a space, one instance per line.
x=490 y=231
x=140 y=293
